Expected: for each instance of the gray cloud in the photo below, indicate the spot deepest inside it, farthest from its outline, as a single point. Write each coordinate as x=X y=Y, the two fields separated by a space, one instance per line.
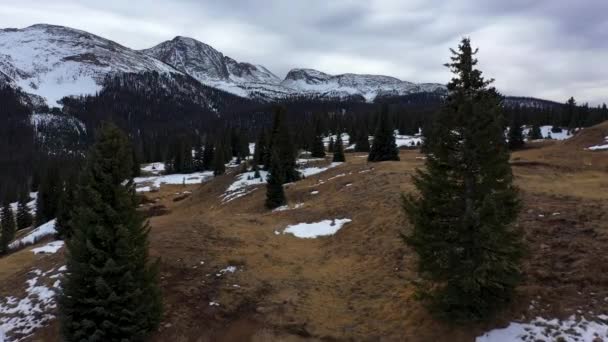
x=545 y=48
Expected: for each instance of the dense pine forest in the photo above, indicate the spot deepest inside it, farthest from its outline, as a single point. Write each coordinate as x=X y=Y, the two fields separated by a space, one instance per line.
x=167 y=116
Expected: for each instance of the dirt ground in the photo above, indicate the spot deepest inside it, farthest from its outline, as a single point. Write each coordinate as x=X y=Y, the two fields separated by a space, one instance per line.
x=357 y=285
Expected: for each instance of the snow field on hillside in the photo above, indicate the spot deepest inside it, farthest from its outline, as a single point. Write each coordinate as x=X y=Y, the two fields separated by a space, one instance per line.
x=241 y=186
x=149 y=183
x=19 y=317
x=35 y=235
x=49 y=248
x=316 y=229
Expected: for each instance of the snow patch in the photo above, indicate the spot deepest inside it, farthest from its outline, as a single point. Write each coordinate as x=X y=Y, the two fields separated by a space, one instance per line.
x=37 y=234
x=154 y=168
x=540 y=329
x=19 y=317
x=600 y=147
x=49 y=248
x=154 y=182
x=316 y=229
x=309 y=171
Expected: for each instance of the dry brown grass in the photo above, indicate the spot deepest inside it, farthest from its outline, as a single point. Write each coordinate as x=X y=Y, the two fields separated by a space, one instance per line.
x=358 y=284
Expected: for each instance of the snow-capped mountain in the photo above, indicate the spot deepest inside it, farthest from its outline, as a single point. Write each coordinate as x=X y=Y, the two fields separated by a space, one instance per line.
x=212 y=68
x=313 y=82
x=51 y=62
x=56 y=61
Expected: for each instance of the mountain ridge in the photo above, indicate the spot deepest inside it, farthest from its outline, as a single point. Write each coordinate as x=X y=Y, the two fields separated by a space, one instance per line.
x=52 y=61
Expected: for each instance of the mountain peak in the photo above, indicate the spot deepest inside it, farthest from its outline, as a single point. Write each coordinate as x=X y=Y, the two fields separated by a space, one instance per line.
x=210 y=66
x=54 y=61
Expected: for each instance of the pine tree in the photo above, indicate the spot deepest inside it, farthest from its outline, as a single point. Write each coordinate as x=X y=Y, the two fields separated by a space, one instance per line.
x=219 y=160
x=384 y=146
x=24 y=217
x=469 y=253
x=65 y=209
x=535 y=133
x=260 y=150
x=330 y=145
x=516 y=136
x=7 y=233
x=208 y=156
x=199 y=152
x=339 y=150
x=280 y=143
x=49 y=192
x=110 y=289
x=317 y=147
x=275 y=194
x=362 y=143
x=136 y=170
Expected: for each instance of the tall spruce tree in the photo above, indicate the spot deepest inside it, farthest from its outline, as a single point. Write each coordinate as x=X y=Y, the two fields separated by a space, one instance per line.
x=330 y=145
x=65 y=210
x=317 y=147
x=219 y=159
x=338 y=150
x=260 y=150
x=111 y=290
x=535 y=133
x=516 y=135
x=199 y=152
x=24 y=217
x=275 y=194
x=7 y=231
x=469 y=252
x=362 y=142
x=208 y=156
x=384 y=146
x=49 y=191
x=281 y=144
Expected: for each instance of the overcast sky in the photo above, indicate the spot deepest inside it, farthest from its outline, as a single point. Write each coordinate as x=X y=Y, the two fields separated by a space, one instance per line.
x=543 y=48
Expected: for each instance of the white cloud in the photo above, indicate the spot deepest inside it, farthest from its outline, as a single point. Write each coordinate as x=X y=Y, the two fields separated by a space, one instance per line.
x=547 y=48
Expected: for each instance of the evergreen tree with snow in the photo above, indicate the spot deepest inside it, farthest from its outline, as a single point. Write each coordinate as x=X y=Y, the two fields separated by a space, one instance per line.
x=275 y=194
x=24 y=217
x=469 y=252
x=110 y=289
x=338 y=150
x=535 y=133
x=516 y=136
x=384 y=146
x=7 y=231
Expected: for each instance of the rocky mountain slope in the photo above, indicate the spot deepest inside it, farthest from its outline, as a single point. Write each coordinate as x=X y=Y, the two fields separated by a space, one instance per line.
x=212 y=68
x=55 y=61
